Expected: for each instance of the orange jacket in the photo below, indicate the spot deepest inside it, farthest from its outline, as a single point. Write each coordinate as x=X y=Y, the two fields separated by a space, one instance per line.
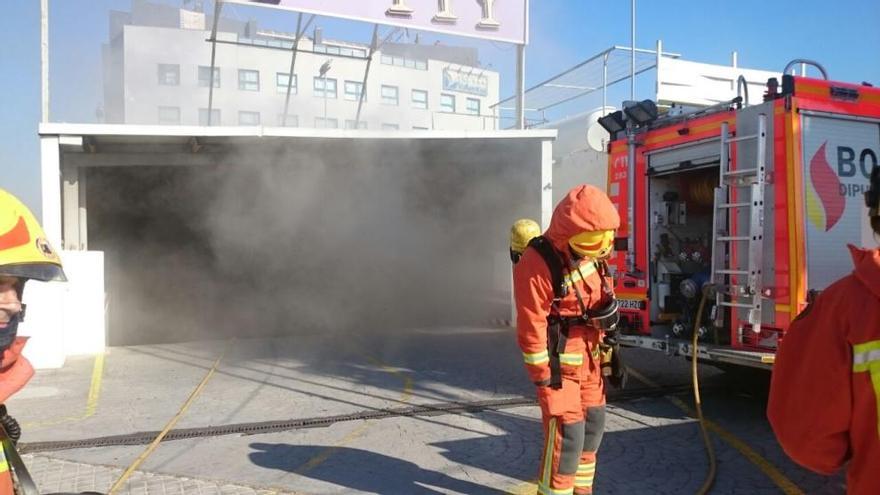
x=15 y=369
x=584 y=209
x=825 y=390
x=15 y=372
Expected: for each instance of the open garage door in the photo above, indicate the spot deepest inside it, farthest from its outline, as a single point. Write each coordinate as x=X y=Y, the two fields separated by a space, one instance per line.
x=239 y=236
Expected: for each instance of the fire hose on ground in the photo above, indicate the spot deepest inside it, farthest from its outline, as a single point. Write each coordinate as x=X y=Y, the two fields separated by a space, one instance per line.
x=710 y=450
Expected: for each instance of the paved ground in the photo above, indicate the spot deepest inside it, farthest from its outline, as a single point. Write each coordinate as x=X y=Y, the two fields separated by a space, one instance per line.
x=651 y=445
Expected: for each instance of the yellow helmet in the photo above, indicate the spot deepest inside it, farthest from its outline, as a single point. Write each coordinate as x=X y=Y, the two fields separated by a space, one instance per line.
x=24 y=250
x=521 y=232
x=596 y=244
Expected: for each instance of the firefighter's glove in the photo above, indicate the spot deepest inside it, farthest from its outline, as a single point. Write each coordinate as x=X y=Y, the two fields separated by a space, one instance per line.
x=618 y=373
x=13 y=430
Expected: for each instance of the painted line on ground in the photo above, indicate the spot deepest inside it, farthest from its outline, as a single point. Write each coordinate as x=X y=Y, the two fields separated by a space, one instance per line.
x=328 y=451
x=779 y=479
x=91 y=400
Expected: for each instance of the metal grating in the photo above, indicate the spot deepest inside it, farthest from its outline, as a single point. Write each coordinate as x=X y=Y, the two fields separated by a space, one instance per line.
x=600 y=71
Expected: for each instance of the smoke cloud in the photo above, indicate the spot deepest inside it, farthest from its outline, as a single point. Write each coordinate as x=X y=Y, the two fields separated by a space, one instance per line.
x=291 y=237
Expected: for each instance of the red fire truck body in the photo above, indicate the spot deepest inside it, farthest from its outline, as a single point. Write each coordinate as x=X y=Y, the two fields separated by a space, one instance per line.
x=757 y=202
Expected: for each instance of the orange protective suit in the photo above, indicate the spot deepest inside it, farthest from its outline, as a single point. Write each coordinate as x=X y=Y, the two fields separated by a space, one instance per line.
x=825 y=390
x=15 y=372
x=574 y=415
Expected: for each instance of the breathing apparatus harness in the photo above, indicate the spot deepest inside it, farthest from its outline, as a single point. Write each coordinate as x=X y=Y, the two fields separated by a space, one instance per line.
x=603 y=318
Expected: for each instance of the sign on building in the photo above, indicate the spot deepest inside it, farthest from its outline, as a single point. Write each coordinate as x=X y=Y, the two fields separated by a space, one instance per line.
x=498 y=20
x=465 y=81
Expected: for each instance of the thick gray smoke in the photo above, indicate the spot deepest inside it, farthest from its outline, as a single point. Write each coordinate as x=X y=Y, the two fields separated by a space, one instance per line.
x=297 y=237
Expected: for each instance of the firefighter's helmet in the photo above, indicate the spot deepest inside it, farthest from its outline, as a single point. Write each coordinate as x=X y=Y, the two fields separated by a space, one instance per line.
x=24 y=250
x=521 y=232
x=596 y=244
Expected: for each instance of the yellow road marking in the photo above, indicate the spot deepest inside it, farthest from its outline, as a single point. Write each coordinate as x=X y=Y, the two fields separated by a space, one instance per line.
x=327 y=452
x=780 y=480
x=91 y=401
x=527 y=488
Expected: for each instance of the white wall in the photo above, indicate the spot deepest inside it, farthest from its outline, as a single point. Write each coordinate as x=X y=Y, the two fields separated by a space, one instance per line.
x=66 y=318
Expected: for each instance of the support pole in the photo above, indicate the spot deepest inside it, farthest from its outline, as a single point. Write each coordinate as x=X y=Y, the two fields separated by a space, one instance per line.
x=374 y=44
x=604 y=82
x=520 y=86
x=218 y=6
x=300 y=30
x=44 y=60
x=657 y=67
x=632 y=55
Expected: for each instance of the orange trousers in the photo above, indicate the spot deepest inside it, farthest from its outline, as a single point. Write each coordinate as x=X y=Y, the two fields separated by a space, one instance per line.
x=574 y=421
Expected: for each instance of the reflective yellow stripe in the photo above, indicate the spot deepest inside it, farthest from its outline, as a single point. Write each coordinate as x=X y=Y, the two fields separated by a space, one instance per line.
x=536 y=357
x=585 y=474
x=571 y=358
x=583 y=482
x=546 y=490
x=548 y=452
x=866 y=357
x=4 y=465
x=586 y=269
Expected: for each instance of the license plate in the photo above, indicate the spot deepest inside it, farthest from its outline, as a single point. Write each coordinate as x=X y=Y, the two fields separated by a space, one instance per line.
x=631 y=304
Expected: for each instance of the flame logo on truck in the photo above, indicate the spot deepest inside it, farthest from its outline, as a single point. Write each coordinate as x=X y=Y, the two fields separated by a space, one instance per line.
x=825 y=205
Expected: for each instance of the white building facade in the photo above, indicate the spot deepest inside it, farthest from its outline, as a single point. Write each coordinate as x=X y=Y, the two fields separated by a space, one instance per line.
x=157 y=71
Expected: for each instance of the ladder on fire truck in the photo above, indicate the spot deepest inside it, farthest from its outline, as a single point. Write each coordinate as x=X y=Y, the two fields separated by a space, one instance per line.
x=738 y=281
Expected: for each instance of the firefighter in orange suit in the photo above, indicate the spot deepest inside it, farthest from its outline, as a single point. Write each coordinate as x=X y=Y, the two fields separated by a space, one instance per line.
x=25 y=254
x=825 y=391
x=564 y=307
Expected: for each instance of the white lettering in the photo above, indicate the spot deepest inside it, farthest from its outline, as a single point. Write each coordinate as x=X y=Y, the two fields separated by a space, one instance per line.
x=488 y=21
x=445 y=15
x=399 y=8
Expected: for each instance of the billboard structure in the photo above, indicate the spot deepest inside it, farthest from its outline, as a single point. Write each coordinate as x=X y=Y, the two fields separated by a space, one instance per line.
x=492 y=20
x=495 y=20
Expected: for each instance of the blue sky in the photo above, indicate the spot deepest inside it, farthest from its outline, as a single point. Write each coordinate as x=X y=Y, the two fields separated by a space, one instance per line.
x=844 y=36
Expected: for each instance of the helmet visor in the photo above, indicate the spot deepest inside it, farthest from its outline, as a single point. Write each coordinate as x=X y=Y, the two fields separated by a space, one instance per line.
x=596 y=245
x=45 y=272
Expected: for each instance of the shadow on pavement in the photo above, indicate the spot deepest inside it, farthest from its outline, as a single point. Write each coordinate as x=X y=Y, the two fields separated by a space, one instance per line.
x=362 y=470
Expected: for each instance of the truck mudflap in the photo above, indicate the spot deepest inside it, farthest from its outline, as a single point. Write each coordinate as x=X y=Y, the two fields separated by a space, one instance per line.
x=711 y=353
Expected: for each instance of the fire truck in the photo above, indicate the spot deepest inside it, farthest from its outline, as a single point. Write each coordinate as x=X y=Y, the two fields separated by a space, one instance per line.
x=752 y=205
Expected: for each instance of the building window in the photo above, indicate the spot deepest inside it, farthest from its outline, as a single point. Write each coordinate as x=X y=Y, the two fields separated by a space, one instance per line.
x=292 y=120
x=282 y=79
x=390 y=127
x=404 y=62
x=473 y=106
x=205 y=76
x=203 y=116
x=389 y=95
x=248 y=80
x=248 y=118
x=169 y=115
x=320 y=83
x=353 y=90
x=419 y=99
x=350 y=124
x=169 y=74
x=328 y=123
x=447 y=103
